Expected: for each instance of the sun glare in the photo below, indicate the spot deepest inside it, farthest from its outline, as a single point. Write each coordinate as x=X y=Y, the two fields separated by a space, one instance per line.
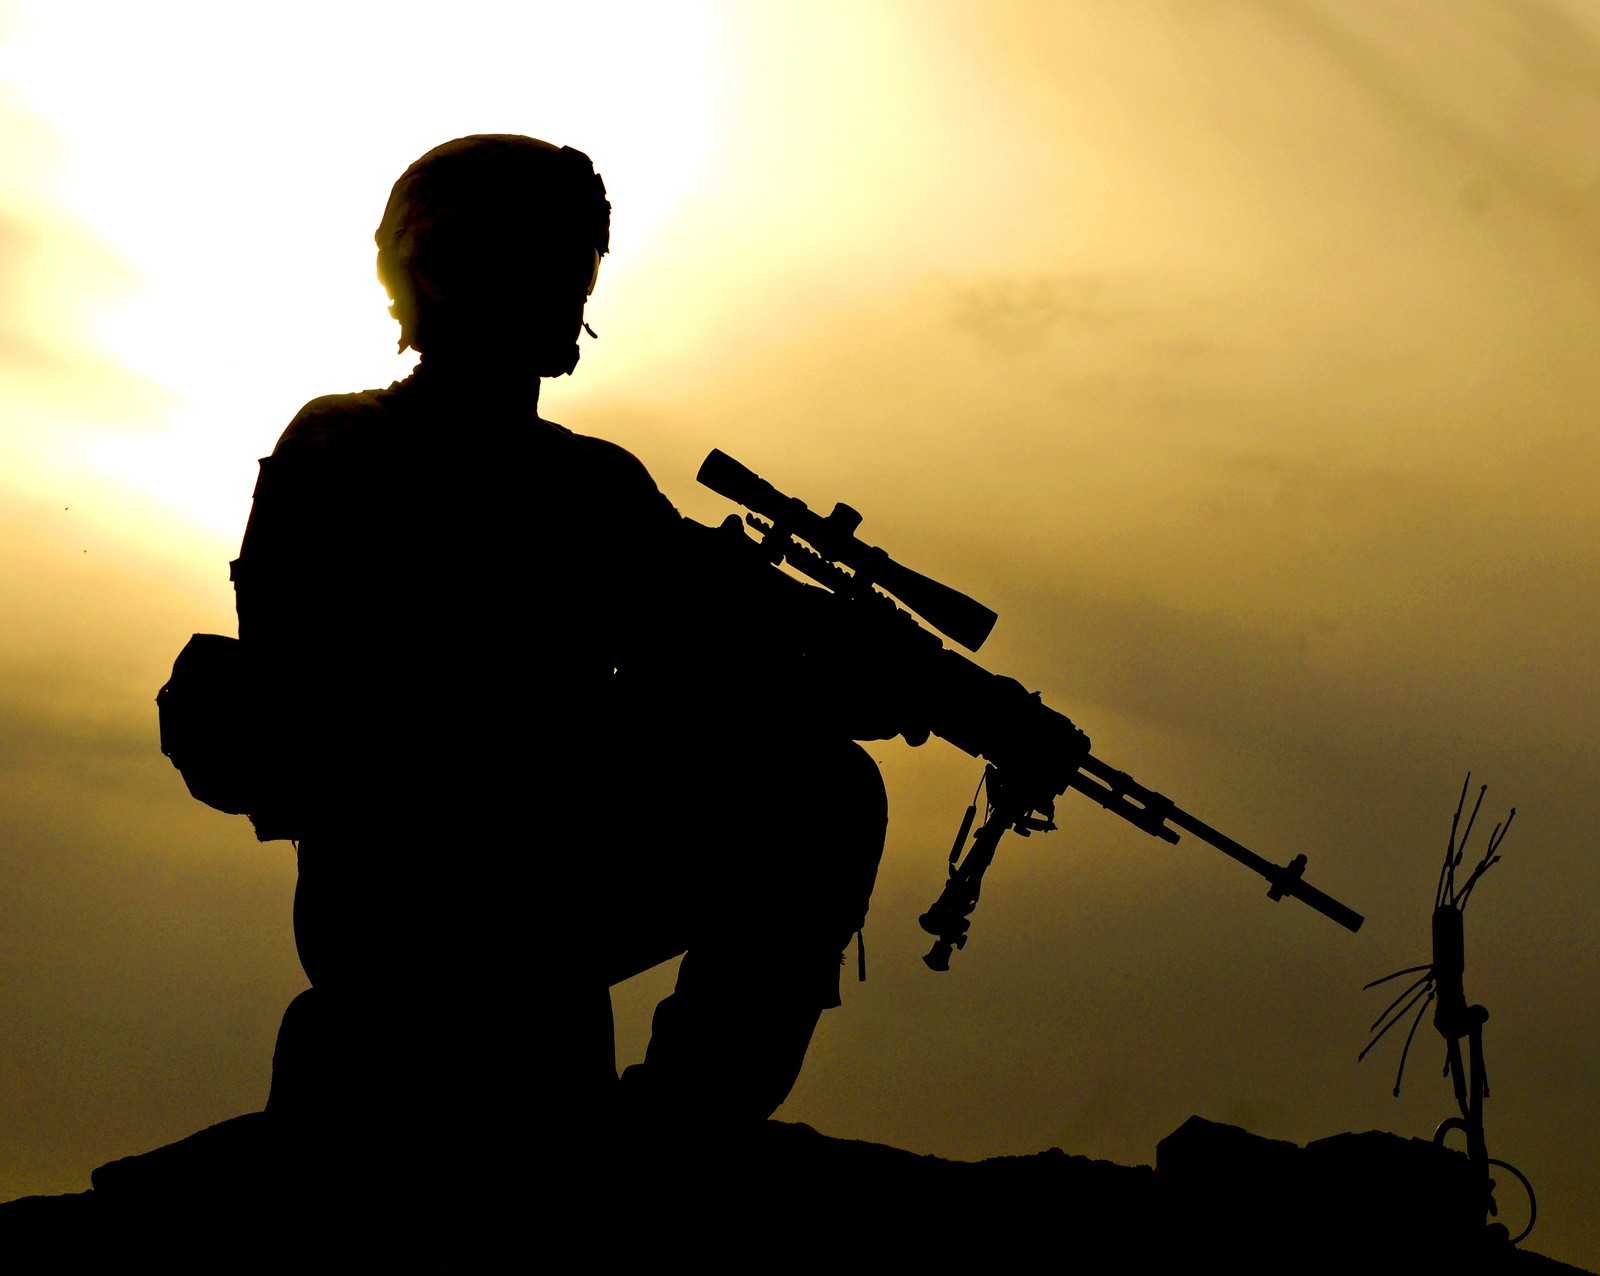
x=238 y=165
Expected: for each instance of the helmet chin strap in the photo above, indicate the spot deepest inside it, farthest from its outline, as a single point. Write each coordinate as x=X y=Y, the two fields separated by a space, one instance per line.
x=594 y=278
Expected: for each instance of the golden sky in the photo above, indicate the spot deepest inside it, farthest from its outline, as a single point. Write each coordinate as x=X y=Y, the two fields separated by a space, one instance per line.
x=1240 y=354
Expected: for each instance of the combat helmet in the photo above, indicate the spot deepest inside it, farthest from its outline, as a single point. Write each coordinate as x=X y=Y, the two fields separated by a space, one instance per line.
x=462 y=210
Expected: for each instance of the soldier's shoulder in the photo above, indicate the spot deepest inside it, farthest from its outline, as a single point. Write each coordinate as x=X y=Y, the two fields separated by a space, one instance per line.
x=611 y=456
x=334 y=419
x=612 y=465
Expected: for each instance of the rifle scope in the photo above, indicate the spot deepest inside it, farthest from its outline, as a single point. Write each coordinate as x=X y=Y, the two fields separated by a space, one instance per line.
x=963 y=619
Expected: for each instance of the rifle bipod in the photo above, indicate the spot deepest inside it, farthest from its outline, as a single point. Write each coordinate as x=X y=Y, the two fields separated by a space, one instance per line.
x=951 y=914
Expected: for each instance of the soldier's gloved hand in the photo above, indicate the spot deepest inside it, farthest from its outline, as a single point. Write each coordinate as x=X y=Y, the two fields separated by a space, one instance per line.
x=867 y=698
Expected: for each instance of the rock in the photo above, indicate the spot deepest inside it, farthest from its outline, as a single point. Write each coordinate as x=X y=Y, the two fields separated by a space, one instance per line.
x=235 y=1197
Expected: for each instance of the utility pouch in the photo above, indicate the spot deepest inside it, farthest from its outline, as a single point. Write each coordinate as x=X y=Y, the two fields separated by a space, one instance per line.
x=209 y=715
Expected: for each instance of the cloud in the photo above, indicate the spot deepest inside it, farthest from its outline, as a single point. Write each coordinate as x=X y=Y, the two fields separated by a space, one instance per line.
x=58 y=279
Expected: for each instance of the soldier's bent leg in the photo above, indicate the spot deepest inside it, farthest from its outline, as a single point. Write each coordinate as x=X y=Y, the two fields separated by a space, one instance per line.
x=773 y=894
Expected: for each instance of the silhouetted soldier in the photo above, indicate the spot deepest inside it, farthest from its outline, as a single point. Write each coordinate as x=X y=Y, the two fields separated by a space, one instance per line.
x=521 y=734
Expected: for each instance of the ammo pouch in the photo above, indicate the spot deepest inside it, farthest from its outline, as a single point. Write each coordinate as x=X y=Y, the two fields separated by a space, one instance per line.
x=210 y=711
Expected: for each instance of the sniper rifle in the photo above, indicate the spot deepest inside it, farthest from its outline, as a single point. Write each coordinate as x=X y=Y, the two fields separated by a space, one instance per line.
x=1033 y=754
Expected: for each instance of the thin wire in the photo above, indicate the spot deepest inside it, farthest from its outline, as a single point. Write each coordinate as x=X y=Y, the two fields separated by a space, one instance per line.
x=1428 y=992
x=1427 y=978
x=1490 y=858
x=1407 y=1050
x=1462 y=849
x=1409 y=970
x=1450 y=845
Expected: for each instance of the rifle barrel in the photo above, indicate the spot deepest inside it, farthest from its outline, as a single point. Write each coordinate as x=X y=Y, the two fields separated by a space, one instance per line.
x=1285 y=880
x=1146 y=809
